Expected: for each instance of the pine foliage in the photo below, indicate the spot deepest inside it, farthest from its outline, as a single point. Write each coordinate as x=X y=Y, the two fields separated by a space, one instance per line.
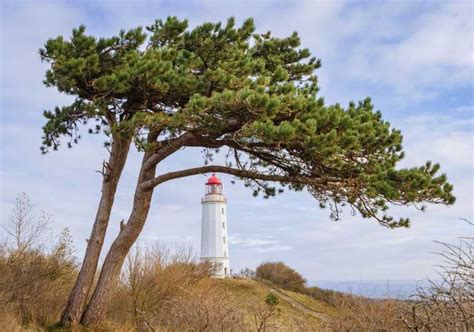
x=250 y=94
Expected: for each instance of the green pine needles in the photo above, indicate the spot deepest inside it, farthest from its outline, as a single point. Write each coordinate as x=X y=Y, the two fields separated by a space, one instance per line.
x=251 y=96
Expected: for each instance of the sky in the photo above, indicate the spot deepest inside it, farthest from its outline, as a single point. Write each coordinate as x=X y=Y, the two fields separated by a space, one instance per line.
x=414 y=59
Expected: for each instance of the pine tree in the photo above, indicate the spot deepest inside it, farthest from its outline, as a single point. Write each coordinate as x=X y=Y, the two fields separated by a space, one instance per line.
x=226 y=89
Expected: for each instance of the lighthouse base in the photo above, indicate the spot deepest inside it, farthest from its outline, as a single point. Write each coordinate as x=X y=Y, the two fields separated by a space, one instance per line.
x=220 y=266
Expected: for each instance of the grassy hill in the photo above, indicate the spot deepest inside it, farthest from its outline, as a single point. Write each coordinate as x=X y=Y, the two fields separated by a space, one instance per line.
x=163 y=291
x=294 y=311
x=159 y=293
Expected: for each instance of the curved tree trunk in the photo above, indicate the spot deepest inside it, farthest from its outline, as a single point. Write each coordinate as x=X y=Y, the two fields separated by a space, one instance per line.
x=97 y=306
x=96 y=309
x=111 y=176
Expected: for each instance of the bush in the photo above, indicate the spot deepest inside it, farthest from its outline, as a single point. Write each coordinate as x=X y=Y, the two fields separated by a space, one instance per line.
x=356 y=313
x=448 y=303
x=326 y=295
x=246 y=274
x=162 y=289
x=281 y=275
x=34 y=284
x=34 y=280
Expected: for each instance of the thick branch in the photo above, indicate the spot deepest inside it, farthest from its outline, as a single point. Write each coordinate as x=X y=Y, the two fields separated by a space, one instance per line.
x=168 y=148
x=239 y=173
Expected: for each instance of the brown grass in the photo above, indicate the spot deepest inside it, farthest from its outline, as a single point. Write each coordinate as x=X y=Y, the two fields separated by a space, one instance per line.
x=34 y=285
x=163 y=289
x=160 y=290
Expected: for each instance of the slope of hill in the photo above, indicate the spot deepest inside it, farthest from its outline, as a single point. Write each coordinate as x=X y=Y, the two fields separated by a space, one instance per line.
x=294 y=311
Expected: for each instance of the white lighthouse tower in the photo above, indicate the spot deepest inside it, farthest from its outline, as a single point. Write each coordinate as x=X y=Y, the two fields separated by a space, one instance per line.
x=214 y=241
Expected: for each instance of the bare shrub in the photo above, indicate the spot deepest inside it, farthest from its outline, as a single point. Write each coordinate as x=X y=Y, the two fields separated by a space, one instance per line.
x=162 y=288
x=25 y=226
x=205 y=307
x=448 y=303
x=246 y=273
x=281 y=275
x=35 y=284
x=34 y=281
x=325 y=295
x=362 y=314
x=264 y=314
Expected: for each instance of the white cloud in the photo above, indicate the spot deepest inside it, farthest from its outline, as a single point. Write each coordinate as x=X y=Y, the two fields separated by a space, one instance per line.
x=258 y=243
x=436 y=49
x=465 y=109
x=399 y=47
x=25 y=29
x=439 y=137
x=405 y=50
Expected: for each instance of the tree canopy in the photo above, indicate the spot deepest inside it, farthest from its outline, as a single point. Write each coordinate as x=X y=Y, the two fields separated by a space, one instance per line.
x=251 y=96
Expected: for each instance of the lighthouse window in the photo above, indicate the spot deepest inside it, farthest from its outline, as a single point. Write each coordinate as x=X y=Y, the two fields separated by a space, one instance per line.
x=223 y=225
x=223 y=239
x=223 y=211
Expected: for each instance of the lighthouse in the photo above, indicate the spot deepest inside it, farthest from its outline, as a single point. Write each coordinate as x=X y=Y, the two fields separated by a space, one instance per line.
x=214 y=241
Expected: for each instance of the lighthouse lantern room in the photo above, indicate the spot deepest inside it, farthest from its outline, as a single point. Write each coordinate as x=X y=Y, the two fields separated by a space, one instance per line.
x=214 y=242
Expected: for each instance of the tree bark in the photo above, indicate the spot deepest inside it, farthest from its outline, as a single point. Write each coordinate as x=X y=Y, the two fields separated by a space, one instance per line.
x=97 y=306
x=111 y=175
x=96 y=309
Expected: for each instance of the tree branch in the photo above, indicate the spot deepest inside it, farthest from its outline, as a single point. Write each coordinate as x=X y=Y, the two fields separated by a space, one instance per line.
x=189 y=138
x=239 y=173
x=168 y=148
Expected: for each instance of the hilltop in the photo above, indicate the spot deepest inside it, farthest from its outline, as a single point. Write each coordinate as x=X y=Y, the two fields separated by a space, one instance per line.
x=294 y=310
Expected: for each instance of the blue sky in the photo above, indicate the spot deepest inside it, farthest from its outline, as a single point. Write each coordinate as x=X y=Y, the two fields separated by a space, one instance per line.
x=415 y=59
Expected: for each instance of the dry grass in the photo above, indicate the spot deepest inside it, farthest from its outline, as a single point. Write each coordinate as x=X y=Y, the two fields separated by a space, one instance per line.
x=168 y=290
x=312 y=303
x=34 y=285
x=448 y=304
x=362 y=314
x=161 y=290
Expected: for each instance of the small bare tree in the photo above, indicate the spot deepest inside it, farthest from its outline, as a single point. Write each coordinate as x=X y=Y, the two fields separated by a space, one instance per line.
x=264 y=315
x=246 y=273
x=448 y=303
x=205 y=307
x=156 y=287
x=35 y=276
x=25 y=226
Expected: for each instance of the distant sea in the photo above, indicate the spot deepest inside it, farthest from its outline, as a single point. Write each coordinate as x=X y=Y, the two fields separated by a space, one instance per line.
x=401 y=289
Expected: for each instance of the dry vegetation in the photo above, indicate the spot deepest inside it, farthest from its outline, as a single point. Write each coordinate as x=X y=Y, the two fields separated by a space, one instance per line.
x=448 y=304
x=167 y=290
x=159 y=290
x=35 y=279
x=349 y=312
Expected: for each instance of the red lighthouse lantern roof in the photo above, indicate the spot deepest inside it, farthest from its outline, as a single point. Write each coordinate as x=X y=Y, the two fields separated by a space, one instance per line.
x=213 y=180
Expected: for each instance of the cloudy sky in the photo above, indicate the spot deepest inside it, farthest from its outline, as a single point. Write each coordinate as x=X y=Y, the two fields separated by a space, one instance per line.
x=415 y=59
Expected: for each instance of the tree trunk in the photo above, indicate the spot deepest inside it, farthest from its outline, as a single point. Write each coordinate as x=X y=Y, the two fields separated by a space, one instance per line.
x=97 y=306
x=96 y=309
x=111 y=176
